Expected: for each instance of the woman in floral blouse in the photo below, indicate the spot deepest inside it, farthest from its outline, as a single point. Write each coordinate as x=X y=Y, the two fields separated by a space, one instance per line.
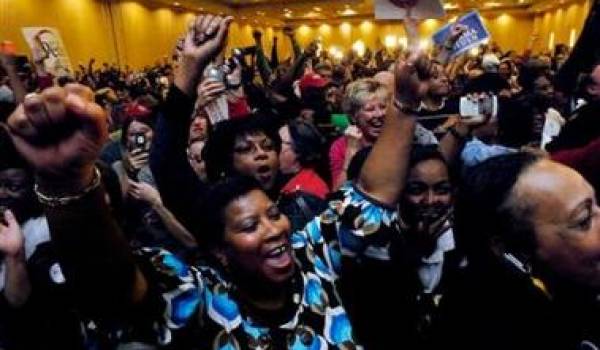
x=264 y=287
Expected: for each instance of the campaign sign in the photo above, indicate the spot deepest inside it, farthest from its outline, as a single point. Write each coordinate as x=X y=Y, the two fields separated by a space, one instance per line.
x=47 y=48
x=400 y=9
x=475 y=35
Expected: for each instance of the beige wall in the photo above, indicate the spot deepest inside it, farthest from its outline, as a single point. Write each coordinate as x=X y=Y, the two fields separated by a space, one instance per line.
x=136 y=33
x=509 y=30
x=562 y=23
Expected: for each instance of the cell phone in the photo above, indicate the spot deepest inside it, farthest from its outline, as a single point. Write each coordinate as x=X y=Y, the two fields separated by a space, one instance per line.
x=476 y=108
x=139 y=142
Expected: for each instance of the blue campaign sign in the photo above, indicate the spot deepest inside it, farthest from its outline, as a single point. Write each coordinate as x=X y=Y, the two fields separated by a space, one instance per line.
x=475 y=35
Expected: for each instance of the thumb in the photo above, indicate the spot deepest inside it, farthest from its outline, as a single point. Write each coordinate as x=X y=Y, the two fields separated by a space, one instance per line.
x=10 y=219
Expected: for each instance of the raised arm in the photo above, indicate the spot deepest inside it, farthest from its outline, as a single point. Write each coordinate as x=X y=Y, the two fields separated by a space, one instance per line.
x=289 y=32
x=17 y=286
x=179 y=186
x=456 y=32
x=384 y=172
x=263 y=66
x=61 y=132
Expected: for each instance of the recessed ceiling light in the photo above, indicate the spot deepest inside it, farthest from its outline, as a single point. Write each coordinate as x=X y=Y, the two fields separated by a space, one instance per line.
x=176 y=4
x=347 y=12
x=450 y=6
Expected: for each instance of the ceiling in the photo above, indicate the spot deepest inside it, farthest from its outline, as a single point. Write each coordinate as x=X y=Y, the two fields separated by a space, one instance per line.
x=279 y=12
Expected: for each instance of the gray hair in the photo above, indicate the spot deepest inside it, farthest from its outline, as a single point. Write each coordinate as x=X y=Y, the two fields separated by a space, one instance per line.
x=360 y=91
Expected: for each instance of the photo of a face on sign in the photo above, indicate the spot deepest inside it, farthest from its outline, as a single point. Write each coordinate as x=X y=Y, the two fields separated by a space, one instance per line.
x=47 y=48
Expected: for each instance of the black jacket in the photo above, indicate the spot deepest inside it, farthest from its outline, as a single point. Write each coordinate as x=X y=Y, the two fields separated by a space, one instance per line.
x=499 y=307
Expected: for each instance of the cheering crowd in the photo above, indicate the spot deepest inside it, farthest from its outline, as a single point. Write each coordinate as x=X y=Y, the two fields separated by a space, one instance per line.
x=233 y=200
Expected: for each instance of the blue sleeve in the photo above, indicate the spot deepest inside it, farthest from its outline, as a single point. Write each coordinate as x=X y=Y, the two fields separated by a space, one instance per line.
x=476 y=152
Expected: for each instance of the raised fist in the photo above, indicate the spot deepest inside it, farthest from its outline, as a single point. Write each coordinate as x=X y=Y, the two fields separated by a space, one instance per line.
x=289 y=31
x=205 y=38
x=11 y=237
x=60 y=132
x=412 y=77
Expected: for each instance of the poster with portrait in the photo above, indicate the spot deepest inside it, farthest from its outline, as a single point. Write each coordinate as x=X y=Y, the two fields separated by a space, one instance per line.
x=47 y=47
x=400 y=9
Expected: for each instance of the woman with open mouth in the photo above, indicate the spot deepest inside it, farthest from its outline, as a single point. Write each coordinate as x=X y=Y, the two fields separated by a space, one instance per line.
x=262 y=286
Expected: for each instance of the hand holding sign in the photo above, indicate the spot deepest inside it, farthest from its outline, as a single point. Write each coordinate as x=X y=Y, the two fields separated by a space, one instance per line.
x=468 y=32
x=456 y=31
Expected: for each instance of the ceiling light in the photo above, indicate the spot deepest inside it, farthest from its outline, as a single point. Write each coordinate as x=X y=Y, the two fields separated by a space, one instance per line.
x=359 y=47
x=176 y=4
x=347 y=12
x=316 y=8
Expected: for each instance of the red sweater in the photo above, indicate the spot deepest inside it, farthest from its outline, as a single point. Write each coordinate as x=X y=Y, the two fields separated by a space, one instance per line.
x=307 y=180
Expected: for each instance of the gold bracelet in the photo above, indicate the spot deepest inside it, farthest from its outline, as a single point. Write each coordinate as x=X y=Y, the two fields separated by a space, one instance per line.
x=53 y=201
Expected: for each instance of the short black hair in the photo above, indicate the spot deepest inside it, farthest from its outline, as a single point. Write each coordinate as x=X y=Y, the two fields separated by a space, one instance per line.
x=219 y=149
x=484 y=212
x=419 y=153
x=307 y=142
x=210 y=227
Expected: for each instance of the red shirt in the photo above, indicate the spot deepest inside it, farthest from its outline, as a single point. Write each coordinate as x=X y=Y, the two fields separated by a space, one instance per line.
x=307 y=180
x=238 y=108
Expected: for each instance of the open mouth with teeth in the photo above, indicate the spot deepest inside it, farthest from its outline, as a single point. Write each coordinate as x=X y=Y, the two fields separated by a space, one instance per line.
x=375 y=124
x=279 y=257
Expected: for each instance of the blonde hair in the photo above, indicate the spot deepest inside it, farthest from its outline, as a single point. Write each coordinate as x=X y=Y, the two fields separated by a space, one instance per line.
x=360 y=91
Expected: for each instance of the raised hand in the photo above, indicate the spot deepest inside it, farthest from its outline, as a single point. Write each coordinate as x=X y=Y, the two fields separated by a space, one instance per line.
x=204 y=40
x=11 y=237
x=288 y=31
x=60 y=132
x=311 y=49
x=412 y=32
x=208 y=91
x=353 y=137
x=412 y=79
x=456 y=31
x=136 y=159
x=257 y=35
